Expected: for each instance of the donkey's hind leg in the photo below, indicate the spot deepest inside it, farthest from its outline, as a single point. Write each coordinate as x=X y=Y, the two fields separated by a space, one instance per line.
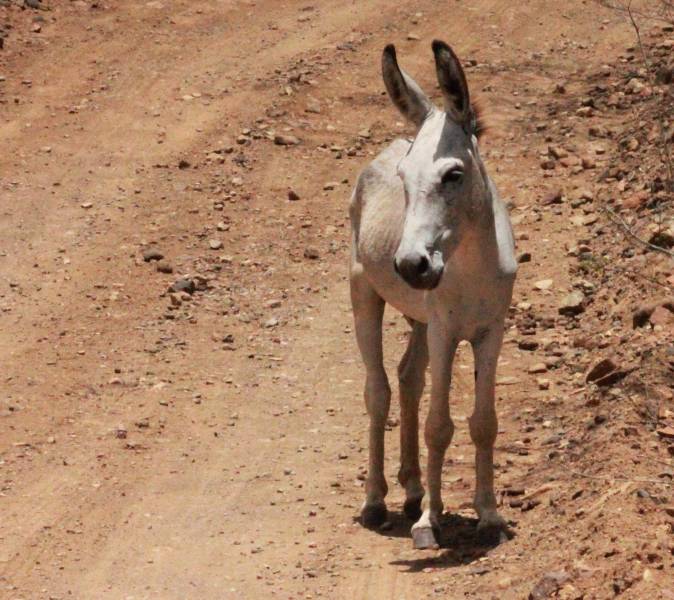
x=368 y=311
x=411 y=378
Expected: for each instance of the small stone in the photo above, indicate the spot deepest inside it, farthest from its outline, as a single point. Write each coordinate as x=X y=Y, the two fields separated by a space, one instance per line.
x=152 y=254
x=311 y=253
x=537 y=368
x=183 y=284
x=605 y=373
x=661 y=316
x=293 y=195
x=543 y=284
x=413 y=37
x=666 y=432
x=527 y=344
x=86 y=205
x=184 y=164
x=552 y=197
x=557 y=152
x=525 y=257
x=164 y=267
x=330 y=185
x=120 y=432
x=543 y=384
x=634 y=85
x=215 y=244
x=281 y=139
x=36 y=28
x=572 y=304
x=588 y=162
x=548 y=585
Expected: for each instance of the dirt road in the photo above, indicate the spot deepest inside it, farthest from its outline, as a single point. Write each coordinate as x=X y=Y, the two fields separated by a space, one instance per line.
x=213 y=445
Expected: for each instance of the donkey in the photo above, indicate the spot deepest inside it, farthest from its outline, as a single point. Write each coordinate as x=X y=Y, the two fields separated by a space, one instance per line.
x=431 y=237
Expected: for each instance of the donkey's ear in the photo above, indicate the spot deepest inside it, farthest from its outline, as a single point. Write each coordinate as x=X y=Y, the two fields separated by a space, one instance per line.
x=452 y=82
x=403 y=90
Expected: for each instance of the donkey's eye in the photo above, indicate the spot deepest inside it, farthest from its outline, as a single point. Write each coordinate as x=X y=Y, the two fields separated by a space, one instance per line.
x=452 y=176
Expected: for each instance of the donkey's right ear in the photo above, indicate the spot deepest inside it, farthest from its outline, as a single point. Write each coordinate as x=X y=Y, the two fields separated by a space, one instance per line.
x=403 y=90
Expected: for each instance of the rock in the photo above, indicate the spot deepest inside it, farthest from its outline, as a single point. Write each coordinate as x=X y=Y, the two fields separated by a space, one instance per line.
x=557 y=152
x=413 y=37
x=543 y=284
x=548 y=585
x=666 y=432
x=664 y=75
x=215 y=244
x=164 y=267
x=572 y=304
x=507 y=380
x=548 y=164
x=184 y=284
x=552 y=197
x=525 y=257
x=152 y=254
x=601 y=369
x=36 y=28
x=313 y=107
x=642 y=314
x=537 y=368
x=664 y=238
x=587 y=162
x=86 y=205
x=270 y=323
x=637 y=200
x=543 y=384
x=311 y=253
x=184 y=164
x=635 y=86
x=661 y=316
x=560 y=88
x=330 y=185
x=281 y=139
x=605 y=373
x=120 y=432
x=527 y=344
x=293 y=195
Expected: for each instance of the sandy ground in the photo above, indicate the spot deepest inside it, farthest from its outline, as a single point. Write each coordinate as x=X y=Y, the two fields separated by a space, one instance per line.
x=213 y=446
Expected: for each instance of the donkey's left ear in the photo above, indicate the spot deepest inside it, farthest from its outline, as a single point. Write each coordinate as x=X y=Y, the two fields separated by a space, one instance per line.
x=452 y=82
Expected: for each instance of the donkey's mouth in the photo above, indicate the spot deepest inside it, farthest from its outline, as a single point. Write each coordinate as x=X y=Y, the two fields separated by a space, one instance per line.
x=426 y=281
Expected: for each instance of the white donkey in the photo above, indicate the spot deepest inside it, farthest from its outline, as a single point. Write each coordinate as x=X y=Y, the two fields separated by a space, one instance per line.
x=431 y=237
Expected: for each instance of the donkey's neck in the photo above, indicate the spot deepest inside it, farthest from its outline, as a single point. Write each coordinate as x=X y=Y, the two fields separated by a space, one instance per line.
x=486 y=245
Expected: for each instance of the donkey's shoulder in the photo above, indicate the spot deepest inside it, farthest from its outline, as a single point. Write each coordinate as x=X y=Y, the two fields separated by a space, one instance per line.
x=382 y=170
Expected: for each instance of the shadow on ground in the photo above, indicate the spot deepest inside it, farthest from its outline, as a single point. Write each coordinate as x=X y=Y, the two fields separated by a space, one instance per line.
x=459 y=541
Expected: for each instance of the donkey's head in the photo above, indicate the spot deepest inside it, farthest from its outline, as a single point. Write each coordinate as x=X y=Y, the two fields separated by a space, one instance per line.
x=442 y=174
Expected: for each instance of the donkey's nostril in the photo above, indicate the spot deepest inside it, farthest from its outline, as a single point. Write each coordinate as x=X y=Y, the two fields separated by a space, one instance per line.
x=423 y=265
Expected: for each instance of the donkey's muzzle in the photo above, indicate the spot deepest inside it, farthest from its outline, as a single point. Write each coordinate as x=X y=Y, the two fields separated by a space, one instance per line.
x=416 y=270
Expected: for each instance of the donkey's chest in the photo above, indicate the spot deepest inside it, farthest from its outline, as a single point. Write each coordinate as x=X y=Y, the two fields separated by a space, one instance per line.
x=467 y=303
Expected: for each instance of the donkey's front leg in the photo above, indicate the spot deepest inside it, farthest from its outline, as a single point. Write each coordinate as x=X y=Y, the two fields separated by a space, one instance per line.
x=483 y=428
x=368 y=310
x=438 y=433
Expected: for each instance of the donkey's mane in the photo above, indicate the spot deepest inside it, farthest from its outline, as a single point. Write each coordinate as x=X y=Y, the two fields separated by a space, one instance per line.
x=479 y=123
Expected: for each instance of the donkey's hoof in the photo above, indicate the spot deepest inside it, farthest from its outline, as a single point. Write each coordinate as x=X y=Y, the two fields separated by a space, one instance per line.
x=412 y=509
x=373 y=515
x=424 y=539
x=493 y=531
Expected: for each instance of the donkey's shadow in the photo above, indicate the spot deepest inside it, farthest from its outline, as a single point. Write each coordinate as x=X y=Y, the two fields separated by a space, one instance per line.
x=460 y=543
